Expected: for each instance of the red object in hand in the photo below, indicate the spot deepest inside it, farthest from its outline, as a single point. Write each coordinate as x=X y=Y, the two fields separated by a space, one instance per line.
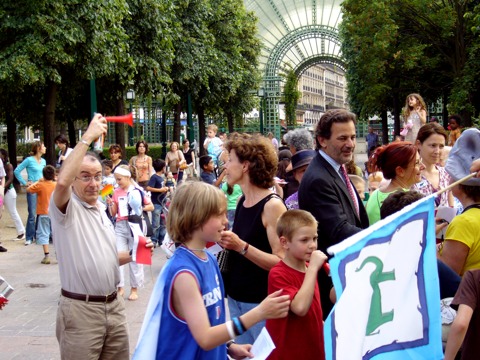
x=326 y=267
x=3 y=301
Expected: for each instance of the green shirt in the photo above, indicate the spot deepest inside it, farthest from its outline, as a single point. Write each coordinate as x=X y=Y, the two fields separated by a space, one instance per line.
x=374 y=204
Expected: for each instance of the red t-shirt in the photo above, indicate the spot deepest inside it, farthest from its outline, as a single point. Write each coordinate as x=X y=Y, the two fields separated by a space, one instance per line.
x=295 y=337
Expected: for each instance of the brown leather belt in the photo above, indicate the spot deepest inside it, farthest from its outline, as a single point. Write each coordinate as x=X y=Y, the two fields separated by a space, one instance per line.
x=93 y=298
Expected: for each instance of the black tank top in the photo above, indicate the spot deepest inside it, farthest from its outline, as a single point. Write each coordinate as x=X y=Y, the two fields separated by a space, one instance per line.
x=247 y=282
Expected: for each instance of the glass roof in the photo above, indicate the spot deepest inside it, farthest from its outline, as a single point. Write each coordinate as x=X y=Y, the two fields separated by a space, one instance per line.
x=296 y=31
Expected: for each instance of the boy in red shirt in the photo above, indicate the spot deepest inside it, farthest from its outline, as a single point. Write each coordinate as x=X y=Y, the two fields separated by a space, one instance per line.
x=300 y=334
x=44 y=188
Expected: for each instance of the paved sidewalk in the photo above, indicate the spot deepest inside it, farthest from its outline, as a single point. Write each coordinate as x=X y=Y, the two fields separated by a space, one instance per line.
x=27 y=323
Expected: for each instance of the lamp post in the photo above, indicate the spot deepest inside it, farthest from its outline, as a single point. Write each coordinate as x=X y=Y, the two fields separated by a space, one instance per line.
x=130 y=98
x=261 y=94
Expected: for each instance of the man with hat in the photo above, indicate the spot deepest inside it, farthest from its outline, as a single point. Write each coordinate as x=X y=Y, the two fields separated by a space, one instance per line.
x=299 y=164
x=461 y=249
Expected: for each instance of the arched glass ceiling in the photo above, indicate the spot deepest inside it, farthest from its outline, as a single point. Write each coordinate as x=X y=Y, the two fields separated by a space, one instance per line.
x=297 y=31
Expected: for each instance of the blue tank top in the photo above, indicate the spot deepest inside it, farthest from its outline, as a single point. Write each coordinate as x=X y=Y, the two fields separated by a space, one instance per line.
x=175 y=340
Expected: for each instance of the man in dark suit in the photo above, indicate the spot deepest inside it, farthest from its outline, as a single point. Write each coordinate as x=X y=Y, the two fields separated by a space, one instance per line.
x=324 y=191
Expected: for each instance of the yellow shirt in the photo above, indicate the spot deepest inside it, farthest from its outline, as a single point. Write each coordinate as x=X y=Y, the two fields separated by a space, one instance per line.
x=465 y=228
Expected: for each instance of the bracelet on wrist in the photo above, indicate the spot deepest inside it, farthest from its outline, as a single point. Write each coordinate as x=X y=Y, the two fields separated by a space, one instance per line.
x=229 y=343
x=237 y=326
x=85 y=142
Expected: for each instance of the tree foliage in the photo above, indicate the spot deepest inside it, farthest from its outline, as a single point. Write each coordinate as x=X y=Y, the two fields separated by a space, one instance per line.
x=291 y=96
x=49 y=50
x=396 y=47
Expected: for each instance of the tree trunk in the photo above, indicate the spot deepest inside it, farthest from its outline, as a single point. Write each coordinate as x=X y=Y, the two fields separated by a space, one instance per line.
x=176 y=123
x=49 y=122
x=120 y=127
x=384 y=127
x=72 y=134
x=396 y=114
x=11 y=139
x=230 y=121
x=201 y=130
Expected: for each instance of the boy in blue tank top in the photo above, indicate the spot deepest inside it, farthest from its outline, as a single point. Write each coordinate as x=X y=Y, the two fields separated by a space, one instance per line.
x=185 y=318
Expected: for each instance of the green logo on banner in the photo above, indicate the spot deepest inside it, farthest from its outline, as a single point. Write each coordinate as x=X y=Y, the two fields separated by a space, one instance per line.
x=376 y=317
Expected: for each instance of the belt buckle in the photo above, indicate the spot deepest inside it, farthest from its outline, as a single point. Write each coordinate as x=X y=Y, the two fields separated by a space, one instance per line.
x=106 y=299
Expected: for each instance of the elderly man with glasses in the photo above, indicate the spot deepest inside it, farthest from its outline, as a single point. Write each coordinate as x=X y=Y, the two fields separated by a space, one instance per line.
x=91 y=321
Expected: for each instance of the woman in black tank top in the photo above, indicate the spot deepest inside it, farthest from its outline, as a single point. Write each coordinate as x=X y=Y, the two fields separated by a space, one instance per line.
x=253 y=243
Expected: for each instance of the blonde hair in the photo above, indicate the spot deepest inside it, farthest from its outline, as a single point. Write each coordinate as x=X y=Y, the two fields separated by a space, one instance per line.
x=192 y=206
x=292 y=220
x=212 y=127
x=357 y=180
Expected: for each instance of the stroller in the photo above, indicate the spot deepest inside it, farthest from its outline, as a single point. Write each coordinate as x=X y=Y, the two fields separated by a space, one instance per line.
x=168 y=246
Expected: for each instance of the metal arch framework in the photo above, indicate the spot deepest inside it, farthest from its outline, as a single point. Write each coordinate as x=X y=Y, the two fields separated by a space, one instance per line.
x=292 y=39
x=272 y=80
x=319 y=59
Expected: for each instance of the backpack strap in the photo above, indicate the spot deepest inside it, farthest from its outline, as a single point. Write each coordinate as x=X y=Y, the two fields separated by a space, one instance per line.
x=128 y=204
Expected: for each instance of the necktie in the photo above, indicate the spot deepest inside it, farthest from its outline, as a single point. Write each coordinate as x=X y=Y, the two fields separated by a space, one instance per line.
x=343 y=170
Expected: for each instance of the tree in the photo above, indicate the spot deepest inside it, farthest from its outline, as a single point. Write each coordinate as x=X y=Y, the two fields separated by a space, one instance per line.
x=44 y=39
x=291 y=96
x=396 y=47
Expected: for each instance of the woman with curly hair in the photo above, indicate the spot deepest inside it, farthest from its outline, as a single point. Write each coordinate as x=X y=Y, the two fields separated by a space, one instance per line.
x=253 y=243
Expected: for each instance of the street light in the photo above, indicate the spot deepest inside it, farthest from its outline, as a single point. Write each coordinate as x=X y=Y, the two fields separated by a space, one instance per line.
x=130 y=98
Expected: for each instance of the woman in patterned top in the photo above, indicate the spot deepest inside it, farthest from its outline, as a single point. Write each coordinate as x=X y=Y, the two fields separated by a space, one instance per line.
x=431 y=140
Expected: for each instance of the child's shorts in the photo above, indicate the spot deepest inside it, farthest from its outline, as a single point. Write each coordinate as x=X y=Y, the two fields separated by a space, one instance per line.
x=43 y=229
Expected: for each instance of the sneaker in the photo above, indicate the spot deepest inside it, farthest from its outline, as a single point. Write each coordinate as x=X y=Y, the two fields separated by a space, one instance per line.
x=28 y=242
x=46 y=260
x=20 y=237
x=2 y=249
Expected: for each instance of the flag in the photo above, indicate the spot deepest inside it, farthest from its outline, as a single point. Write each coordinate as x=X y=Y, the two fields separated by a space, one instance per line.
x=388 y=297
x=146 y=348
x=106 y=190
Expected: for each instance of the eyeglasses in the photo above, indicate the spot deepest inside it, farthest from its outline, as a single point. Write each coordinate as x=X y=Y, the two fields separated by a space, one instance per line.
x=87 y=179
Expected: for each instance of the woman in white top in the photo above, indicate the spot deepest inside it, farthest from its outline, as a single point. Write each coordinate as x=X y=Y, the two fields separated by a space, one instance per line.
x=64 y=150
x=127 y=198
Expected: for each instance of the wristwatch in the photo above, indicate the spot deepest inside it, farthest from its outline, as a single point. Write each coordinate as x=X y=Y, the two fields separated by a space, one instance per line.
x=245 y=249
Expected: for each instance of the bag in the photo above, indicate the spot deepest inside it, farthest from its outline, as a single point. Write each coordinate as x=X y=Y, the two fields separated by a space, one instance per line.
x=183 y=166
x=142 y=220
x=222 y=259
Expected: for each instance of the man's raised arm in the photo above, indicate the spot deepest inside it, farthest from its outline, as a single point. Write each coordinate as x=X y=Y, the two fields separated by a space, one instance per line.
x=70 y=166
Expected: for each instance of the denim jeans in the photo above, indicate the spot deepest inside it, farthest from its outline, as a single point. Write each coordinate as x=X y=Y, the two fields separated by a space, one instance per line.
x=238 y=308
x=32 y=214
x=231 y=218
x=43 y=230
x=158 y=224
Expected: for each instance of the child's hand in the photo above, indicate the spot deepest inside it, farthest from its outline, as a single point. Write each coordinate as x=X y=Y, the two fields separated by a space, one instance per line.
x=275 y=305
x=240 y=351
x=317 y=259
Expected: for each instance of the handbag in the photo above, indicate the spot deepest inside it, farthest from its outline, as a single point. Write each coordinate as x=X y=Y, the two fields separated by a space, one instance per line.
x=142 y=220
x=222 y=259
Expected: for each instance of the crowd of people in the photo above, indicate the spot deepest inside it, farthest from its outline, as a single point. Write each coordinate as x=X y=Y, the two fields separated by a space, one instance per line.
x=273 y=207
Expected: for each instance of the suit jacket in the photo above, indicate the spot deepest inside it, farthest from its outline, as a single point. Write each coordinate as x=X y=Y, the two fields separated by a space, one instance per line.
x=324 y=194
